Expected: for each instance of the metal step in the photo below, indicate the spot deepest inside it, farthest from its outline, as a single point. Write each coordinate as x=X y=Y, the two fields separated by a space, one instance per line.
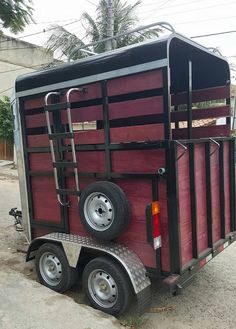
x=61 y=135
x=68 y=192
x=57 y=106
x=64 y=164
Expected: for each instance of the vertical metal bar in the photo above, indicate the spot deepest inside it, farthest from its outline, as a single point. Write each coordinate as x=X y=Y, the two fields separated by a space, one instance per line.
x=173 y=209
x=57 y=128
x=189 y=100
x=208 y=193
x=232 y=185
x=222 y=187
x=228 y=119
x=167 y=103
x=106 y=128
x=193 y=200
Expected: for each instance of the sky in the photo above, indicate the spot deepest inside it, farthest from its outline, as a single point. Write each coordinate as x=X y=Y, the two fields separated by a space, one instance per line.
x=188 y=17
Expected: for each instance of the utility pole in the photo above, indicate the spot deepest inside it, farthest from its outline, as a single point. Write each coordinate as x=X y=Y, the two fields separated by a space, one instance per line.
x=110 y=25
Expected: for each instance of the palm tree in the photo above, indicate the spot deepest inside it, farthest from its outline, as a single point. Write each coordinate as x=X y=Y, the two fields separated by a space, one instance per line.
x=124 y=19
x=15 y=14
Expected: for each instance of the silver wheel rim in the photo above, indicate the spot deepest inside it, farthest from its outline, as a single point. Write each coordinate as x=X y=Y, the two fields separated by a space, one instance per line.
x=50 y=269
x=99 y=211
x=102 y=288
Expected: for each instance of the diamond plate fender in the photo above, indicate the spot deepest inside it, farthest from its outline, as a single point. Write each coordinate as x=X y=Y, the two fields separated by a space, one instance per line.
x=73 y=244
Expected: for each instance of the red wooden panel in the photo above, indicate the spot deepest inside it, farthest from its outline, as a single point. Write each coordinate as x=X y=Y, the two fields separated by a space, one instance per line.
x=203 y=132
x=92 y=91
x=201 y=210
x=215 y=195
x=38 y=140
x=202 y=95
x=227 y=187
x=134 y=108
x=137 y=133
x=45 y=204
x=142 y=161
x=184 y=207
x=37 y=120
x=89 y=113
x=33 y=103
x=89 y=137
x=137 y=82
x=89 y=161
x=214 y=112
x=40 y=161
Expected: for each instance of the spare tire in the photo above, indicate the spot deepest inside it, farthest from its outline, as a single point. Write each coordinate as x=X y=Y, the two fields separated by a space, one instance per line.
x=104 y=210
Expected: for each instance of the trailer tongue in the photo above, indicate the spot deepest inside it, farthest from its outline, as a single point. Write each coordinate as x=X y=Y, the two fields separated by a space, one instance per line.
x=123 y=170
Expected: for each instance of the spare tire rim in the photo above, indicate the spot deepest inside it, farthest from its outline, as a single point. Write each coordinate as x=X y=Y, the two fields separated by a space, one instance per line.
x=50 y=269
x=99 y=211
x=102 y=288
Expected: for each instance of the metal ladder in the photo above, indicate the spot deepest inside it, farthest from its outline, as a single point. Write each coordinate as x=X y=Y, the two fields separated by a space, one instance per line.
x=62 y=164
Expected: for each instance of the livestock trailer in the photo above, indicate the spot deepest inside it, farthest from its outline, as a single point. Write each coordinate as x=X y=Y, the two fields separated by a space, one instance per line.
x=118 y=176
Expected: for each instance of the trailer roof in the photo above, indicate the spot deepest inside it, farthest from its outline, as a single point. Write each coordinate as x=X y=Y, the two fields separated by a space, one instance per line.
x=98 y=66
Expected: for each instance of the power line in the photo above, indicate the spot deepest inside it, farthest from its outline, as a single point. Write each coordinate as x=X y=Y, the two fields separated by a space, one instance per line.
x=26 y=67
x=205 y=20
x=187 y=11
x=3 y=91
x=44 y=31
x=212 y=34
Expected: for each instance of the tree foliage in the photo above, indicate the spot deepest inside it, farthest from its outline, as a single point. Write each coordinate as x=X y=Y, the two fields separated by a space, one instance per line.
x=95 y=29
x=15 y=14
x=6 y=119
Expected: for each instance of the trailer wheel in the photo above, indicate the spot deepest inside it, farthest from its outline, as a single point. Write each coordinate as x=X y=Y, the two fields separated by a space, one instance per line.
x=53 y=269
x=106 y=286
x=104 y=210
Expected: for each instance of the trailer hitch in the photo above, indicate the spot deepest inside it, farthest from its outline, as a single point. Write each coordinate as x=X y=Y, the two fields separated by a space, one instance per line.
x=17 y=214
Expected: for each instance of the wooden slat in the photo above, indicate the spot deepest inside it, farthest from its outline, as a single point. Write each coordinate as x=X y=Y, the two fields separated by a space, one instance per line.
x=202 y=95
x=134 y=83
x=137 y=133
x=203 y=132
x=214 y=112
x=134 y=108
x=83 y=114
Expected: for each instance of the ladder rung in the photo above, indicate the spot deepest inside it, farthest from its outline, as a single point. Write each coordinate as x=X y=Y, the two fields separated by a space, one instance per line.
x=57 y=106
x=61 y=135
x=62 y=164
x=68 y=191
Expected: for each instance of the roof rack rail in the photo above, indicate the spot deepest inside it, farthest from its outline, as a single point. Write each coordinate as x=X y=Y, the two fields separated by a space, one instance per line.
x=163 y=24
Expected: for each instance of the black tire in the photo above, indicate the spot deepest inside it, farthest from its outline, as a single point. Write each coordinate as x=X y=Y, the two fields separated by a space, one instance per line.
x=117 y=279
x=44 y=259
x=114 y=207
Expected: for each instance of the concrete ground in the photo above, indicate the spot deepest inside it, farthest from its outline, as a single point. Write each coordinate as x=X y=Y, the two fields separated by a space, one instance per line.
x=208 y=303
x=24 y=303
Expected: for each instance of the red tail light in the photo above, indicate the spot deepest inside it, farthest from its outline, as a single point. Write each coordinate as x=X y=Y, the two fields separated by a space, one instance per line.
x=156 y=225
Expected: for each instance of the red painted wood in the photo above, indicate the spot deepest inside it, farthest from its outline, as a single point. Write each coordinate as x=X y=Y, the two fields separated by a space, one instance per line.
x=40 y=161
x=89 y=113
x=215 y=195
x=201 y=210
x=33 y=103
x=45 y=204
x=202 y=132
x=184 y=207
x=137 y=133
x=134 y=108
x=93 y=91
x=38 y=140
x=202 y=95
x=137 y=82
x=37 y=120
x=227 y=186
x=214 y=112
x=89 y=137
x=142 y=161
